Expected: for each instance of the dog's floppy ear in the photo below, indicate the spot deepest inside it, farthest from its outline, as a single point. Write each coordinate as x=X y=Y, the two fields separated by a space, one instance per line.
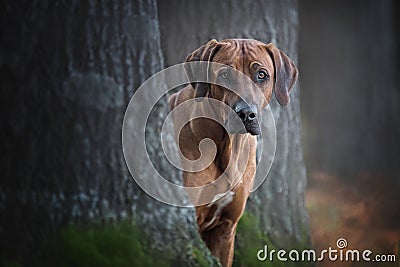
x=285 y=74
x=204 y=53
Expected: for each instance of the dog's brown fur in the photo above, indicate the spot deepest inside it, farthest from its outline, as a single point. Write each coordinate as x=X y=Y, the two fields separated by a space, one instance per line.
x=217 y=221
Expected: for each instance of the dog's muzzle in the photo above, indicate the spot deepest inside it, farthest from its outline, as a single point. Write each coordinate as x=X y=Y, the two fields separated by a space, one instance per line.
x=248 y=117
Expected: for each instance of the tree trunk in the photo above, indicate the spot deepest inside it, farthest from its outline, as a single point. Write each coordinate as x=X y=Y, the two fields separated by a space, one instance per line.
x=68 y=70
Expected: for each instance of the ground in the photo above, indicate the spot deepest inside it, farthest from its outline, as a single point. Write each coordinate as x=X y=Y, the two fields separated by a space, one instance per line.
x=361 y=208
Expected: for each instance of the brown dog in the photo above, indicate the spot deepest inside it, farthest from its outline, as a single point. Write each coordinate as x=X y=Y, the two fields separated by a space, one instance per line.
x=272 y=71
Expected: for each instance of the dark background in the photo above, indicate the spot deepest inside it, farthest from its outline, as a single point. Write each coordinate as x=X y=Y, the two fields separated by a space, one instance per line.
x=350 y=111
x=348 y=55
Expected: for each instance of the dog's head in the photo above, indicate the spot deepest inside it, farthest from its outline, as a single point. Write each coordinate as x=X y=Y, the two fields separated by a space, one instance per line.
x=270 y=69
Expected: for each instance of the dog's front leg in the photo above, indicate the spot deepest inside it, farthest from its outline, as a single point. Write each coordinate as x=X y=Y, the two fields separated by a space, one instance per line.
x=220 y=240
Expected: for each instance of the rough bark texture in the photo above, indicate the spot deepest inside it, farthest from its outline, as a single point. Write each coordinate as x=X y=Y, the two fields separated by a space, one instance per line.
x=68 y=70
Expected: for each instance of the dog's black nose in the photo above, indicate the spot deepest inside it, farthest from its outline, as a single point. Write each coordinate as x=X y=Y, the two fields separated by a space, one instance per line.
x=247 y=113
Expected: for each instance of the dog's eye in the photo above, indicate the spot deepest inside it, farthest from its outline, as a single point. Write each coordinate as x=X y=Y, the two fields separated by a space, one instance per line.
x=224 y=74
x=262 y=75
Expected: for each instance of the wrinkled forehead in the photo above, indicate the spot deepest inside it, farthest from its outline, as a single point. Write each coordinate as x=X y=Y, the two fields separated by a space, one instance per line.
x=241 y=53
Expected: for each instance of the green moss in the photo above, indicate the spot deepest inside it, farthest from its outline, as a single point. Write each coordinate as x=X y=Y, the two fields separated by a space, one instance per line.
x=116 y=245
x=8 y=263
x=200 y=257
x=249 y=240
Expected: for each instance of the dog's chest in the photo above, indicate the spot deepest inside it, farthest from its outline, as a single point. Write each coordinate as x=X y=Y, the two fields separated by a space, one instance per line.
x=219 y=202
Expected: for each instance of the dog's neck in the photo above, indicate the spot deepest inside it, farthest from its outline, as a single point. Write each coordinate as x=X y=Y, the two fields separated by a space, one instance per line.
x=233 y=150
x=237 y=153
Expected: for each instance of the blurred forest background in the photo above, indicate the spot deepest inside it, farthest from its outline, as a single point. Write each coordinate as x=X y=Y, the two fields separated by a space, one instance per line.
x=69 y=68
x=350 y=114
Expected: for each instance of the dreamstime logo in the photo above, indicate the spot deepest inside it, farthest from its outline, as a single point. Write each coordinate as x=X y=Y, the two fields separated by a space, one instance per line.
x=137 y=115
x=331 y=254
x=341 y=243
